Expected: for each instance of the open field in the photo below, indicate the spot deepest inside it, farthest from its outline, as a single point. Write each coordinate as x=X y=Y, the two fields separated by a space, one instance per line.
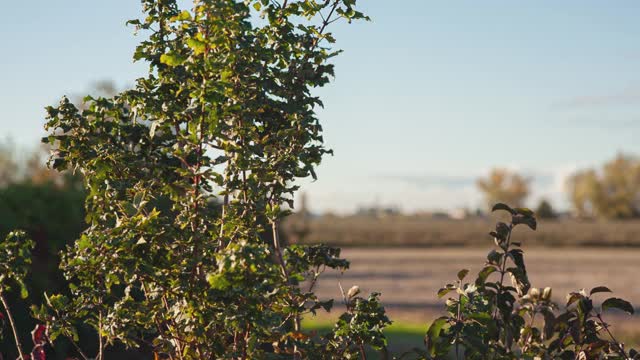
x=419 y=231
x=409 y=278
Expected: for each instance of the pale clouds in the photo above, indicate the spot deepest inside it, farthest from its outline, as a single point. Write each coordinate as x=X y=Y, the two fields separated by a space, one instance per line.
x=626 y=97
x=427 y=192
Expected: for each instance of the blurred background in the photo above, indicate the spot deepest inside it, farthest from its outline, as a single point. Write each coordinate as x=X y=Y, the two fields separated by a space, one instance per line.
x=437 y=111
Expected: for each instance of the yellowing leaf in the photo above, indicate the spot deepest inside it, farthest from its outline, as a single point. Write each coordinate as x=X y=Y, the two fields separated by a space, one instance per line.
x=172 y=59
x=184 y=15
x=198 y=46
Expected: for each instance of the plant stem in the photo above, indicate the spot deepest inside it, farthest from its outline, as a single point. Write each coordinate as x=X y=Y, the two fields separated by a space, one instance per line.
x=504 y=259
x=78 y=349
x=606 y=327
x=502 y=272
x=458 y=320
x=363 y=355
x=285 y=273
x=172 y=334
x=13 y=325
x=100 y=344
x=278 y=249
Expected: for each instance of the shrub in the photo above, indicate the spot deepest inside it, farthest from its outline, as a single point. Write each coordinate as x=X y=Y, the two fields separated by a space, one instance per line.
x=545 y=210
x=490 y=319
x=226 y=114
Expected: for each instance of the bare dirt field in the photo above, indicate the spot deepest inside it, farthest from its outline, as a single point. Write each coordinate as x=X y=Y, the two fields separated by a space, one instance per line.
x=416 y=231
x=409 y=278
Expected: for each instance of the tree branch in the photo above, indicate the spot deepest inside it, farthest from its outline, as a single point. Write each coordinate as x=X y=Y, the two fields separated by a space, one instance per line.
x=13 y=325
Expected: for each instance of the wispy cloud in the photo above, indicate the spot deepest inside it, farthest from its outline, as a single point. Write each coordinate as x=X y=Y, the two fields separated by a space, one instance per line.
x=419 y=192
x=429 y=180
x=426 y=181
x=604 y=121
x=629 y=96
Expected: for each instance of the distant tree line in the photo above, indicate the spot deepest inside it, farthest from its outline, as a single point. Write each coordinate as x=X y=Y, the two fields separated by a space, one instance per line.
x=48 y=206
x=610 y=192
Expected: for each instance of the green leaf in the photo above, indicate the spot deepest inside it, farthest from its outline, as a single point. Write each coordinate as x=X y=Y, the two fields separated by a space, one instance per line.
x=494 y=257
x=225 y=75
x=573 y=297
x=524 y=212
x=24 y=293
x=327 y=305
x=501 y=206
x=502 y=231
x=518 y=259
x=524 y=219
x=617 y=303
x=484 y=274
x=519 y=279
x=482 y=317
x=462 y=273
x=184 y=15
x=218 y=281
x=599 y=289
x=434 y=332
x=444 y=291
x=172 y=59
x=198 y=46
x=549 y=324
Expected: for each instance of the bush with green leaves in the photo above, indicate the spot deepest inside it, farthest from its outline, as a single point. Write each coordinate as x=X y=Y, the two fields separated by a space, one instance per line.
x=492 y=319
x=15 y=260
x=226 y=115
x=188 y=177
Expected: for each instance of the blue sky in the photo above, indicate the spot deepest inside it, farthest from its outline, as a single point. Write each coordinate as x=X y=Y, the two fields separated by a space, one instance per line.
x=428 y=96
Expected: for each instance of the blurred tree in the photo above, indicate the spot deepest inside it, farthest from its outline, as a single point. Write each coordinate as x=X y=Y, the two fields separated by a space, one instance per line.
x=545 y=210
x=8 y=166
x=584 y=188
x=612 y=193
x=504 y=186
x=49 y=206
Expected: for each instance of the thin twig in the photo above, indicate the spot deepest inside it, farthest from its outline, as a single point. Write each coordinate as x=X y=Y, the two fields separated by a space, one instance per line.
x=174 y=336
x=285 y=273
x=606 y=327
x=100 y=344
x=70 y=338
x=504 y=266
x=363 y=355
x=13 y=325
x=78 y=349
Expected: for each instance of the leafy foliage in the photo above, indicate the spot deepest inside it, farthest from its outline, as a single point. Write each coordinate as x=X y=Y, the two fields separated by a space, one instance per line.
x=612 y=192
x=490 y=319
x=15 y=259
x=502 y=185
x=225 y=116
x=189 y=175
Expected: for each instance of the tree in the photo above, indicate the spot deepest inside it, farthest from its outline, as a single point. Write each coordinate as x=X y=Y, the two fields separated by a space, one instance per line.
x=545 y=210
x=504 y=186
x=612 y=193
x=491 y=319
x=584 y=191
x=226 y=113
x=8 y=166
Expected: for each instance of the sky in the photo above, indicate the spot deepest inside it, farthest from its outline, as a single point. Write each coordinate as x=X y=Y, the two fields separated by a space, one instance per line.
x=428 y=96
